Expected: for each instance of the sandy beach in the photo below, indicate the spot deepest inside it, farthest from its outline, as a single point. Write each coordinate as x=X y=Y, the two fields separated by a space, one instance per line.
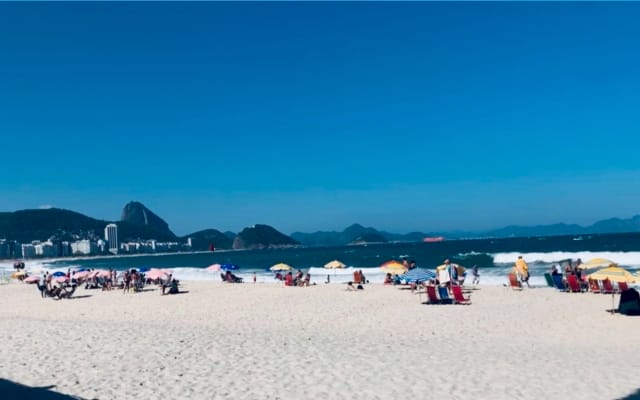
x=264 y=341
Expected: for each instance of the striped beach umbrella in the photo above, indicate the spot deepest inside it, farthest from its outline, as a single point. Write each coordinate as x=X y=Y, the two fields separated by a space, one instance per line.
x=614 y=274
x=418 y=275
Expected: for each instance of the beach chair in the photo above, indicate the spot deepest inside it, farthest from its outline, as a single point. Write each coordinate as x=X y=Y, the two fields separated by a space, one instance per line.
x=574 y=285
x=549 y=279
x=514 y=282
x=607 y=287
x=622 y=286
x=443 y=293
x=594 y=286
x=431 y=295
x=557 y=279
x=458 y=297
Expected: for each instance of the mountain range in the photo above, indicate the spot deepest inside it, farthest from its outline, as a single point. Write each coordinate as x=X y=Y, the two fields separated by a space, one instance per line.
x=137 y=222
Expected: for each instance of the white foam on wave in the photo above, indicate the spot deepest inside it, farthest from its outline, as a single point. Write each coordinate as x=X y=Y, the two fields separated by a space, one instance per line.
x=628 y=258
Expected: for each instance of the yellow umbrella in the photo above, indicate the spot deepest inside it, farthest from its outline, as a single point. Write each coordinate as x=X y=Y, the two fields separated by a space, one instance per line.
x=281 y=267
x=334 y=264
x=614 y=274
x=393 y=267
x=596 y=263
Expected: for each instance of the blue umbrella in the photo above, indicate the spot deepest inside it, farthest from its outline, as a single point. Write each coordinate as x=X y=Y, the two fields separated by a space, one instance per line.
x=81 y=270
x=228 y=267
x=144 y=269
x=58 y=273
x=417 y=275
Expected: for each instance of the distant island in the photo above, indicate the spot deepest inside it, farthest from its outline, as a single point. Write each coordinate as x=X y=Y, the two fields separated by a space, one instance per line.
x=56 y=232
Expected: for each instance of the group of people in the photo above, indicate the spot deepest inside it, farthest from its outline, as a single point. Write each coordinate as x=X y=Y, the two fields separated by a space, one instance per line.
x=570 y=268
x=300 y=279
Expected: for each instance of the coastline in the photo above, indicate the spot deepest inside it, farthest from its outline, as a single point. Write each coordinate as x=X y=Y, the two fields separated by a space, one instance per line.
x=258 y=341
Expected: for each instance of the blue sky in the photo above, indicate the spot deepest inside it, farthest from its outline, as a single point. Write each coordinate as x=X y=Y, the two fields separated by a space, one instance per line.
x=312 y=116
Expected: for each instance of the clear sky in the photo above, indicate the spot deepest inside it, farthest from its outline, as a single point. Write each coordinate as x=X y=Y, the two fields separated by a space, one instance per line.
x=412 y=116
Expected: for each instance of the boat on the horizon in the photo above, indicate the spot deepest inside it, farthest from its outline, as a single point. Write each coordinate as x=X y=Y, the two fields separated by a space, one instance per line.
x=433 y=239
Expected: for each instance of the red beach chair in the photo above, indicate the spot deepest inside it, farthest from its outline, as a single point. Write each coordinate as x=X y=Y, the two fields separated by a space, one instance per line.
x=594 y=286
x=458 y=297
x=622 y=286
x=431 y=294
x=607 y=287
x=574 y=285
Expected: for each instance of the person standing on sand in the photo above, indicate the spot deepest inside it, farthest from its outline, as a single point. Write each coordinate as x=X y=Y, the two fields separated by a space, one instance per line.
x=254 y=277
x=476 y=275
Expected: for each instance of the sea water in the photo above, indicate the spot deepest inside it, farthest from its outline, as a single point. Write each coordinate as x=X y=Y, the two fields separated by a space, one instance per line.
x=494 y=258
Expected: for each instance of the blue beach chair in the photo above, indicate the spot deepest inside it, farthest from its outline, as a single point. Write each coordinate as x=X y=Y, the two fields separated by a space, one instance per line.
x=443 y=292
x=557 y=279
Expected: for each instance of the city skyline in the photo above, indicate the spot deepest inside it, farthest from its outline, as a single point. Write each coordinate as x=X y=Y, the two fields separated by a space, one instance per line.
x=311 y=116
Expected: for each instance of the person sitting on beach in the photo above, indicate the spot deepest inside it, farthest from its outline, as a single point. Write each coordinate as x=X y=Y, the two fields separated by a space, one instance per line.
x=288 y=279
x=307 y=280
x=388 y=280
x=363 y=279
x=278 y=276
x=174 y=287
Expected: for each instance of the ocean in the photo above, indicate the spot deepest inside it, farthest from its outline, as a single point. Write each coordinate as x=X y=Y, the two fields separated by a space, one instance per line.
x=494 y=258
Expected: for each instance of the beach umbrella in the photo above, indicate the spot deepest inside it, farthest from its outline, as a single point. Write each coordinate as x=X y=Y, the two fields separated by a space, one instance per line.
x=228 y=267
x=418 y=275
x=155 y=273
x=102 y=273
x=81 y=274
x=614 y=274
x=393 y=267
x=32 y=279
x=334 y=264
x=213 y=268
x=58 y=273
x=281 y=267
x=596 y=263
x=143 y=269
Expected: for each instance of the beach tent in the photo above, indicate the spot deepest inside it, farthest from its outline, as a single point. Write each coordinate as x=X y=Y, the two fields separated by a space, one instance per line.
x=334 y=264
x=393 y=267
x=614 y=274
x=281 y=267
x=417 y=275
x=629 y=302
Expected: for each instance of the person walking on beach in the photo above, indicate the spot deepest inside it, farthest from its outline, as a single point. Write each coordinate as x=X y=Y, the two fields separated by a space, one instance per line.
x=523 y=270
x=254 y=277
x=476 y=275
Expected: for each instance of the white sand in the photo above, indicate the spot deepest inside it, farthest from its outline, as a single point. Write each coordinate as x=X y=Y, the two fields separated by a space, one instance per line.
x=263 y=341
